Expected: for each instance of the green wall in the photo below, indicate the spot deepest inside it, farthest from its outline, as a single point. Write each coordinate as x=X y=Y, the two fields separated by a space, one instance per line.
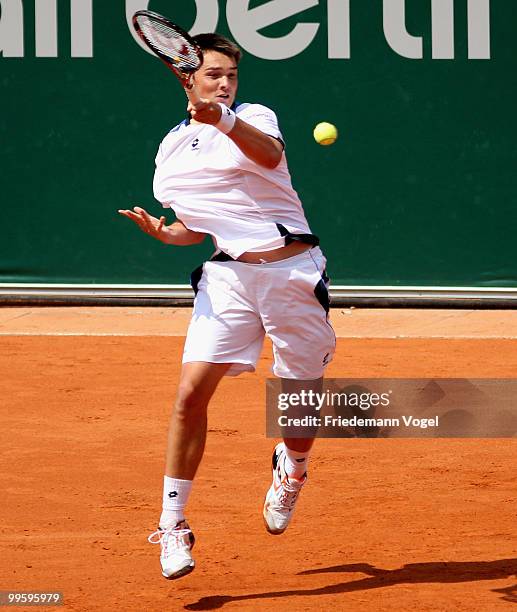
x=420 y=188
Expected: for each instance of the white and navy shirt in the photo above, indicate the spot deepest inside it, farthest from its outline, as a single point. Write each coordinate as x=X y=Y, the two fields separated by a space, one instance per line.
x=215 y=189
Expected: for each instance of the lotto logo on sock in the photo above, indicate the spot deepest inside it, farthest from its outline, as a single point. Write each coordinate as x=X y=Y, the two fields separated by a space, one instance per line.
x=173 y=494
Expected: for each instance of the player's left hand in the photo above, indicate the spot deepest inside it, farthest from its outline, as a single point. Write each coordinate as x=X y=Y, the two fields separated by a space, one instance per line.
x=147 y=223
x=205 y=111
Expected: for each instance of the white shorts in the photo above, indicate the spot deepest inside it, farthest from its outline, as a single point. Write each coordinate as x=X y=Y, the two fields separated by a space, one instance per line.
x=238 y=303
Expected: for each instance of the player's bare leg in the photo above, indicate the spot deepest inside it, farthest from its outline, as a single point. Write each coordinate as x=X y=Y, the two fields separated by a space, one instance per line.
x=187 y=430
x=289 y=465
x=186 y=443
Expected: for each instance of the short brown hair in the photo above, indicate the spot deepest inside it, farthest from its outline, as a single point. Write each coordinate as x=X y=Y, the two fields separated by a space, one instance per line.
x=219 y=43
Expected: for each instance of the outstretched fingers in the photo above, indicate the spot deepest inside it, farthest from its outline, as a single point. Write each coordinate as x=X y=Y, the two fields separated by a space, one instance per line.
x=147 y=223
x=147 y=220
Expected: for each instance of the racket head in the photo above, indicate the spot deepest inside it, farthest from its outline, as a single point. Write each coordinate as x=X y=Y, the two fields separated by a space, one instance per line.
x=170 y=43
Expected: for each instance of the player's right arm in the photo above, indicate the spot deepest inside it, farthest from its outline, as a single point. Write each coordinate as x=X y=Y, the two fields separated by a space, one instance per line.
x=264 y=149
x=176 y=233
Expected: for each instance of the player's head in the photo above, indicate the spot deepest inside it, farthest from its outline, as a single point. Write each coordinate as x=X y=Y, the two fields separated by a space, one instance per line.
x=219 y=43
x=217 y=79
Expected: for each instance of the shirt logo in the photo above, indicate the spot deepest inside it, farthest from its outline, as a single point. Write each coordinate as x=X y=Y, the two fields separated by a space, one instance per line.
x=195 y=144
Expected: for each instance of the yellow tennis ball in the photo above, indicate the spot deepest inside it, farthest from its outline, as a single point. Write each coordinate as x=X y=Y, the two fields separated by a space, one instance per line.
x=325 y=133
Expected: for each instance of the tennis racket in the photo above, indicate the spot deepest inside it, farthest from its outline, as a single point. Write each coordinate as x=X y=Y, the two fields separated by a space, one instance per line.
x=172 y=45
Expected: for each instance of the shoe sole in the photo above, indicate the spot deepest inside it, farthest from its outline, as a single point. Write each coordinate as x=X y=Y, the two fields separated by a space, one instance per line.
x=180 y=573
x=271 y=531
x=266 y=524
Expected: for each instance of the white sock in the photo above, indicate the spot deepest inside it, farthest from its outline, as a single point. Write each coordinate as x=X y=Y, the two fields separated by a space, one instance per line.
x=175 y=497
x=296 y=462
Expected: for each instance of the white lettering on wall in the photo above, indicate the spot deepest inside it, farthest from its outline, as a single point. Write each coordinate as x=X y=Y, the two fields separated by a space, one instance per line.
x=442 y=26
x=244 y=24
x=11 y=28
x=45 y=22
x=207 y=17
x=398 y=38
x=338 y=29
x=46 y=28
x=442 y=19
x=479 y=29
x=81 y=26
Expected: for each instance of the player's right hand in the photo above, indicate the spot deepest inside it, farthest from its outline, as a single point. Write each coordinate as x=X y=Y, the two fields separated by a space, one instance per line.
x=147 y=223
x=205 y=111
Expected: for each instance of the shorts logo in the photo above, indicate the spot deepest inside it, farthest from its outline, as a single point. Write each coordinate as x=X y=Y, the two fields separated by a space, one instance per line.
x=326 y=359
x=195 y=144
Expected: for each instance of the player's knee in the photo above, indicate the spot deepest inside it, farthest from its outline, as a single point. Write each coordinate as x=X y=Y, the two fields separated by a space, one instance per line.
x=190 y=404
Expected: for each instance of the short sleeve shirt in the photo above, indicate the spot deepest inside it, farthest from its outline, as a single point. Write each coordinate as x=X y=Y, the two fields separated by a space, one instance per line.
x=215 y=189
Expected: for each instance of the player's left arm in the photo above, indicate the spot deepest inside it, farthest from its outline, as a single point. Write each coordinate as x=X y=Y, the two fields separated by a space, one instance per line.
x=255 y=144
x=176 y=234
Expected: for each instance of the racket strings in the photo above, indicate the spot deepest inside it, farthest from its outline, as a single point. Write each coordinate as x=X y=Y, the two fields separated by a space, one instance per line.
x=170 y=43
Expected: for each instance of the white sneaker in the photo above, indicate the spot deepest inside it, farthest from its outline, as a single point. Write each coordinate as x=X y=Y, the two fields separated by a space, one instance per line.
x=282 y=495
x=176 y=543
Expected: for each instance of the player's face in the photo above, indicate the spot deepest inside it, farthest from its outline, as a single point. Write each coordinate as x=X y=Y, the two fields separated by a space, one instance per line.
x=217 y=78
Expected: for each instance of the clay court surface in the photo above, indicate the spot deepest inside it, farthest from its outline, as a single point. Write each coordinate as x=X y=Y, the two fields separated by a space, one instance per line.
x=382 y=524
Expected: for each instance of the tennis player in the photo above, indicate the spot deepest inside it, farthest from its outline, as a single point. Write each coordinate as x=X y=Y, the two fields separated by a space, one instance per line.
x=223 y=171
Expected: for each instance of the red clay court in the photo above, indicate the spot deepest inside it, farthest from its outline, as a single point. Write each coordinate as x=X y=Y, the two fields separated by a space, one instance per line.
x=382 y=525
